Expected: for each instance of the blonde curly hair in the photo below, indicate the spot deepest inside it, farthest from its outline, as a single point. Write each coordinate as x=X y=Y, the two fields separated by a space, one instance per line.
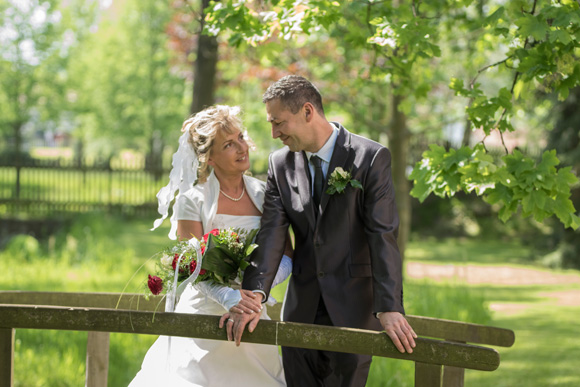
x=203 y=127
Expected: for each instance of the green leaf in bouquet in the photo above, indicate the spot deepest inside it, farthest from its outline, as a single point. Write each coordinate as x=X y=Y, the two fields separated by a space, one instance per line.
x=217 y=258
x=250 y=248
x=217 y=261
x=250 y=239
x=244 y=264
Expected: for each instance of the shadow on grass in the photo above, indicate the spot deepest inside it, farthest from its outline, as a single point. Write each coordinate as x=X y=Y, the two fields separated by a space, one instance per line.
x=465 y=250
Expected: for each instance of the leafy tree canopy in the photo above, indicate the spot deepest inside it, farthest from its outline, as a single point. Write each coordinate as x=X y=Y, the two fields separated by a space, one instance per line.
x=535 y=45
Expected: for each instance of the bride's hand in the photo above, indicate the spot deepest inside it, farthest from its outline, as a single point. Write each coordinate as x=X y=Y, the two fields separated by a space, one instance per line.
x=249 y=303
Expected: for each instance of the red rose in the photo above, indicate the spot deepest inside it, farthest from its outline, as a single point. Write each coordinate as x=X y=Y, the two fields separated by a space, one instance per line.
x=192 y=266
x=174 y=264
x=175 y=259
x=155 y=284
x=202 y=248
x=214 y=232
x=202 y=272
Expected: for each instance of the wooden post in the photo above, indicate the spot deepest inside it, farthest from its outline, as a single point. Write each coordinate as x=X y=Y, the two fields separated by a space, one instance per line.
x=6 y=357
x=97 y=359
x=453 y=376
x=427 y=375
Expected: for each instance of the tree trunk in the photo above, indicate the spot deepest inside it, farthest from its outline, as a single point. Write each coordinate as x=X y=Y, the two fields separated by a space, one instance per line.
x=399 y=147
x=467 y=131
x=204 y=68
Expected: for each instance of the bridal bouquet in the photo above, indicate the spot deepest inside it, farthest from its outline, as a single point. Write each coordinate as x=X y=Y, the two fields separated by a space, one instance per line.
x=224 y=255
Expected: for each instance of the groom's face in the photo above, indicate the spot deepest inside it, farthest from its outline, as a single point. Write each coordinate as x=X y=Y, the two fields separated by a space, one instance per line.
x=291 y=129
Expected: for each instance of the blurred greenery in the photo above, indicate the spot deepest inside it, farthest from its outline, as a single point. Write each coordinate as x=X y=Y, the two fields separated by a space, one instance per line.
x=99 y=77
x=101 y=252
x=546 y=348
x=104 y=80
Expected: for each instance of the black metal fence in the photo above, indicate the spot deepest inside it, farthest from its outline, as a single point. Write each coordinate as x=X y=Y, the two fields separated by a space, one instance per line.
x=47 y=187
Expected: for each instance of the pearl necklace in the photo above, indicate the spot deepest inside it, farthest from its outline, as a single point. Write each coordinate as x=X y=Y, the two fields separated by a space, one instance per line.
x=234 y=199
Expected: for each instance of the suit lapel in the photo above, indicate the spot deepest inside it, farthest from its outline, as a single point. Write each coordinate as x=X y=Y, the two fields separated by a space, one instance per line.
x=303 y=180
x=339 y=159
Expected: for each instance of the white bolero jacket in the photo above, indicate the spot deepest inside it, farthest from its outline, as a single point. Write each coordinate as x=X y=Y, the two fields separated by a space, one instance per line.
x=200 y=202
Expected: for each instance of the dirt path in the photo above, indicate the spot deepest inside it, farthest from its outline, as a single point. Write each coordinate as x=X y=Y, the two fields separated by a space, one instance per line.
x=501 y=275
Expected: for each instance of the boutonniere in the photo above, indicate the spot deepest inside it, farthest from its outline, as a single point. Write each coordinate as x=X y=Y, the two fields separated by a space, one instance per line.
x=339 y=179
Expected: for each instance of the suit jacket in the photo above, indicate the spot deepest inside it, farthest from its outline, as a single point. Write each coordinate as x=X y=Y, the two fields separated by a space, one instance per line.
x=348 y=254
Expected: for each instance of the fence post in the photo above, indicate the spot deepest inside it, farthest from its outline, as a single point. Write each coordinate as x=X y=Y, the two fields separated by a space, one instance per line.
x=97 y=359
x=6 y=357
x=428 y=375
x=453 y=376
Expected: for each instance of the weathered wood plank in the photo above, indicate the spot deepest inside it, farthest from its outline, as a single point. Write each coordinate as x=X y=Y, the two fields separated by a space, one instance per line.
x=268 y=332
x=129 y=301
x=6 y=357
x=458 y=331
x=97 y=359
x=427 y=375
x=424 y=326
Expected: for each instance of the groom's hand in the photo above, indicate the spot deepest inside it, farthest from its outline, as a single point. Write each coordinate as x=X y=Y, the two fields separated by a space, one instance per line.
x=250 y=303
x=399 y=330
x=236 y=322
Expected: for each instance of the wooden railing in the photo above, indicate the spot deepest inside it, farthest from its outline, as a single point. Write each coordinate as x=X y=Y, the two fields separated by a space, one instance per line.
x=437 y=362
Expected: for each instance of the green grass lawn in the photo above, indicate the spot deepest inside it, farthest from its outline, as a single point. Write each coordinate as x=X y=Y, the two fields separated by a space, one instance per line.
x=472 y=251
x=547 y=346
x=101 y=253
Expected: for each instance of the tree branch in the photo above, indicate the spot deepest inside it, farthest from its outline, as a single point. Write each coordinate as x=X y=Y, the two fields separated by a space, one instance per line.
x=481 y=70
x=371 y=33
x=368 y=19
x=482 y=142
x=516 y=76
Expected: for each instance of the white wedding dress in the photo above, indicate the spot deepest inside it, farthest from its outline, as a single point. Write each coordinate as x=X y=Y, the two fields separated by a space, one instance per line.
x=200 y=362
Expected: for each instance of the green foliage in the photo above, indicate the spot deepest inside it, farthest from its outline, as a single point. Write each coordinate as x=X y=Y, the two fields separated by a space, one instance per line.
x=127 y=90
x=35 y=38
x=23 y=245
x=540 y=44
x=539 y=190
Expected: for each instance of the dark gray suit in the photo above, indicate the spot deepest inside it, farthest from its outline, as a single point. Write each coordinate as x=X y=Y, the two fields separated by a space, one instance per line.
x=347 y=264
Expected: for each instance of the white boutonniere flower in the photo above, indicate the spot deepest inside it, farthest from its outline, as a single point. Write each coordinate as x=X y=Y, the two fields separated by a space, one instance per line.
x=339 y=180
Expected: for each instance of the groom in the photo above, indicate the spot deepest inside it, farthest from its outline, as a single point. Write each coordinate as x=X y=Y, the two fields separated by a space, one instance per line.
x=347 y=266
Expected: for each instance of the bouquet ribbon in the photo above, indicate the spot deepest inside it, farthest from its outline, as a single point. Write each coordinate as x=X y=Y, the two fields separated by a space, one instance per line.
x=175 y=291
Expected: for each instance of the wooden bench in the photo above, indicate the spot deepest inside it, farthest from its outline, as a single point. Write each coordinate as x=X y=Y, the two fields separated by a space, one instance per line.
x=437 y=362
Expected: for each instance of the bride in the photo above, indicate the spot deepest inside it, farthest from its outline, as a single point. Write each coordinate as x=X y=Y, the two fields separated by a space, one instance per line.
x=213 y=155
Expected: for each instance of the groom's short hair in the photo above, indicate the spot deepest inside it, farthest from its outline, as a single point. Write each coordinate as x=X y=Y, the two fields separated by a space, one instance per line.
x=294 y=91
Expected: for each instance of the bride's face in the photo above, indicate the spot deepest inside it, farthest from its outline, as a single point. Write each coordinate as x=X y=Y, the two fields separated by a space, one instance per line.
x=229 y=153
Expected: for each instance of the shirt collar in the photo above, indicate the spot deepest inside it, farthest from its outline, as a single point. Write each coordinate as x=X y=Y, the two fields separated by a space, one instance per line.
x=325 y=153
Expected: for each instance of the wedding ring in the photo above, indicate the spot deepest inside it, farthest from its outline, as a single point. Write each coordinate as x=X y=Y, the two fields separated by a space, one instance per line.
x=229 y=319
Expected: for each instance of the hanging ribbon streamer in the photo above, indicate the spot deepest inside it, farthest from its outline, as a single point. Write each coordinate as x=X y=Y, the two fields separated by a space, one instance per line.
x=175 y=291
x=182 y=177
